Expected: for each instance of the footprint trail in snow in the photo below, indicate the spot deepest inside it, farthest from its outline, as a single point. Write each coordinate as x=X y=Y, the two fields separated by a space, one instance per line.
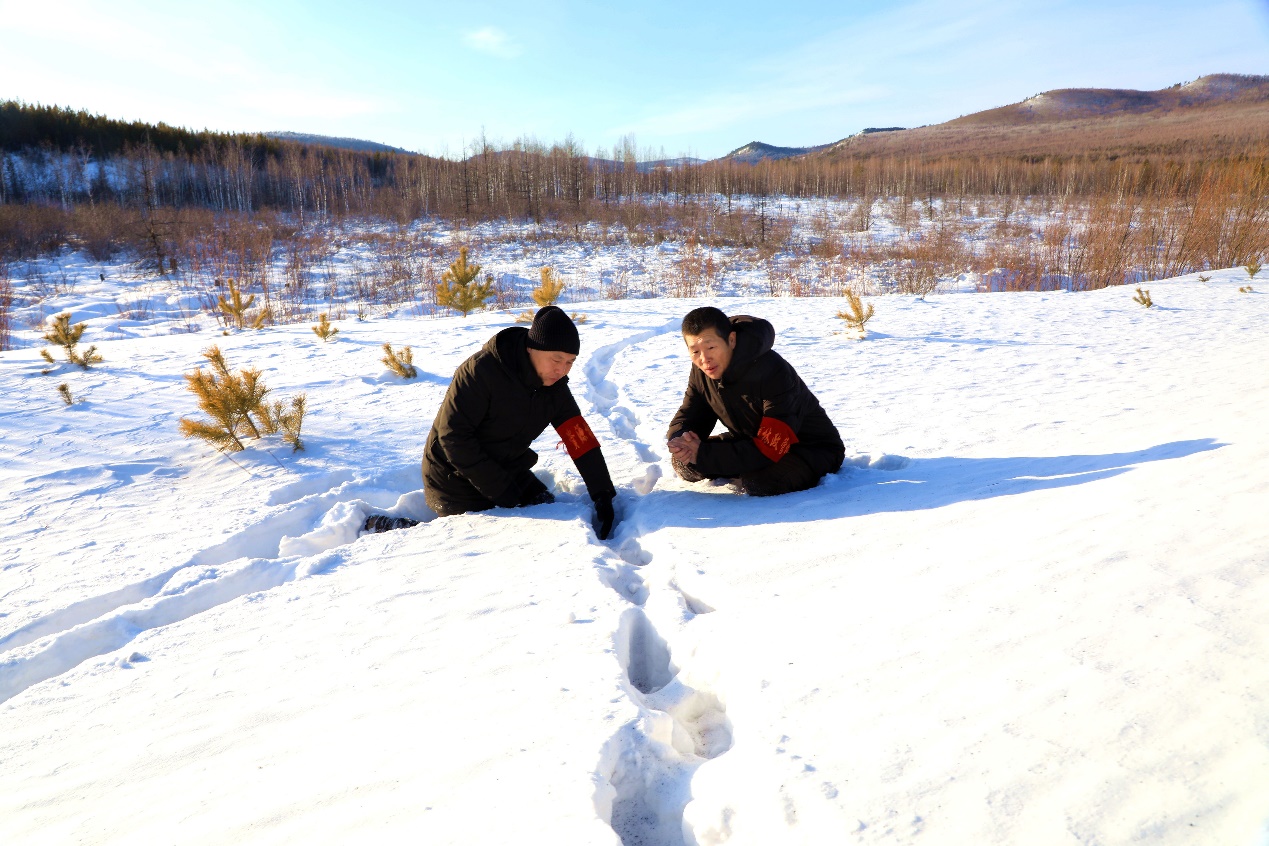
x=647 y=766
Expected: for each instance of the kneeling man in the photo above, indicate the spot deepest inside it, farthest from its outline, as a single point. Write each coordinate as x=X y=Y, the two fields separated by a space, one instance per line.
x=477 y=455
x=778 y=437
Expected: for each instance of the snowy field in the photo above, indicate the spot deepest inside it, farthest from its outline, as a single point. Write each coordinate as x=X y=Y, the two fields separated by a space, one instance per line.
x=1029 y=610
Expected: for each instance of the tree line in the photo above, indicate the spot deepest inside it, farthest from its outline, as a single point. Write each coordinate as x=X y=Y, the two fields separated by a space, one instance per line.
x=53 y=155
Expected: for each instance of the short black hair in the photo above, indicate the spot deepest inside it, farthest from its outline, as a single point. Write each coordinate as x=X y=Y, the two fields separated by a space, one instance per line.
x=707 y=317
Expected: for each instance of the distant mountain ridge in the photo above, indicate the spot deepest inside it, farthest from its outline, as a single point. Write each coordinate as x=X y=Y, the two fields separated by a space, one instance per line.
x=1210 y=105
x=1074 y=103
x=356 y=144
x=756 y=151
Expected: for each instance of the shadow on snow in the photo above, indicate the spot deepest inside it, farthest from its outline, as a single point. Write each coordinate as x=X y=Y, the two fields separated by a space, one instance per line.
x=918 y=485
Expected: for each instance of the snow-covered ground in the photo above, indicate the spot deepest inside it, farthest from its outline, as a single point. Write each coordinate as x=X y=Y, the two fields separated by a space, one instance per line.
x=1030 y=609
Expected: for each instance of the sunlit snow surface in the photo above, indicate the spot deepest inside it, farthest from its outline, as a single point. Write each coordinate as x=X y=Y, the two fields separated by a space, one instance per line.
x=1030 y=609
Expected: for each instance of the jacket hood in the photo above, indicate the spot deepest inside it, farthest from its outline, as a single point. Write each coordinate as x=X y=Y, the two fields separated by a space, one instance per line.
x=754 y=338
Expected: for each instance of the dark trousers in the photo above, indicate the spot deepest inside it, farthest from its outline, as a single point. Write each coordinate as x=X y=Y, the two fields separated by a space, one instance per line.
x=789 y=474
x=461 y=496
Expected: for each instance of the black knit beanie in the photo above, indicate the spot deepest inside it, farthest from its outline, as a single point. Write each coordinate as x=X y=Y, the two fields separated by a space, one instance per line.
x=553 y=330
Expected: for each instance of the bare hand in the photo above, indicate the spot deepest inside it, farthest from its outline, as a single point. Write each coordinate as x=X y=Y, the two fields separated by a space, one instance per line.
x=685 y=447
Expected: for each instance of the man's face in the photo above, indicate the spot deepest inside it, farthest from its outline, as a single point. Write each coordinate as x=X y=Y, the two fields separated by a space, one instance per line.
x=710 y=352
x=551 y=365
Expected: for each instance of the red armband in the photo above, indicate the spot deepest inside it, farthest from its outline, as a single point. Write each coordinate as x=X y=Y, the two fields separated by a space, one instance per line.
x=577 y=436
x=774 y=438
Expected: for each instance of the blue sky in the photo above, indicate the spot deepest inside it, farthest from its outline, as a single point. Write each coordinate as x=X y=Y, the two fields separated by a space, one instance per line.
x=696 y=78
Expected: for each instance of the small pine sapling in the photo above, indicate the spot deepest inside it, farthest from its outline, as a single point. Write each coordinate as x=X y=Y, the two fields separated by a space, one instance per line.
x=857 y=316
x=235 y=403
x=400 y=363
x=458 y=288
x=66 y=336
x=1246 y=289
x=324 y=329
x=65 y=392
x=228 y=398
x=1252 y=267
x=1143 y=297
x=548 y=293
x=551 y=288
x=1203 y=278
x=278 y=417
x=235 y=308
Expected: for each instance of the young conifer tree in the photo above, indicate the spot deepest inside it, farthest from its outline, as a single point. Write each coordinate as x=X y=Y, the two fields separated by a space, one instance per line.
x=66 y=336
x=287 y=419
x=235 y=308
x=226 y=397
x=1143 y=297
x=458 y=288
x=324 y=329
x=400 y=363
x=547 y=293
x=857 y=316
x=551 y=288
x=235 y=403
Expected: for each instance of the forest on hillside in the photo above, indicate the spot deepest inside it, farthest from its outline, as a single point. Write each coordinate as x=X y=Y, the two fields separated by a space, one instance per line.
x=71 y=180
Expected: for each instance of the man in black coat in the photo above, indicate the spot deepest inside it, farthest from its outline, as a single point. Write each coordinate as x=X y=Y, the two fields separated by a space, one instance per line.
x=477 y=455
x=778 y=437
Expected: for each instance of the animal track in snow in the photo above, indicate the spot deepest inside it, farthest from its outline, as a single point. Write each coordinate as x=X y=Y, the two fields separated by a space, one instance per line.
x=649 y=764
x=646 y=768
x=603 y=394
x=692 y=604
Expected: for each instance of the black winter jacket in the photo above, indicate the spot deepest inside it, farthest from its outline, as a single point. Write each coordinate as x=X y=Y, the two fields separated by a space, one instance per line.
x=495 y=407
x=767 y=409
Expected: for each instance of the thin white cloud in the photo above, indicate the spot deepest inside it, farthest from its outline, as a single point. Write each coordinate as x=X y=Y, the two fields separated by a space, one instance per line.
x=493 y=41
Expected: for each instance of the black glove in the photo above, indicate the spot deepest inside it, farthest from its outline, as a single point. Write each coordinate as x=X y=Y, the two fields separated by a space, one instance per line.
x=605 y=518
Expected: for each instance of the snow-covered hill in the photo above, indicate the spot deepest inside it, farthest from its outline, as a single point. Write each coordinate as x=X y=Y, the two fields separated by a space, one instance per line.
x=1030 y=609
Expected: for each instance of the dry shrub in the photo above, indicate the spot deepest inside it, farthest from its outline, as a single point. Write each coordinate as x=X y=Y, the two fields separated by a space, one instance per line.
x=237 y=246
x=840 y=278
x=6 y=308
x=102 y=230
x=786 y=274
x=616 y=286
x=1107 y=246
x=695 y=271
x=304 y=254
x=826 y=240
x=29 y=230
x=862 y=214
x=916 y=277
x=505 y=292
